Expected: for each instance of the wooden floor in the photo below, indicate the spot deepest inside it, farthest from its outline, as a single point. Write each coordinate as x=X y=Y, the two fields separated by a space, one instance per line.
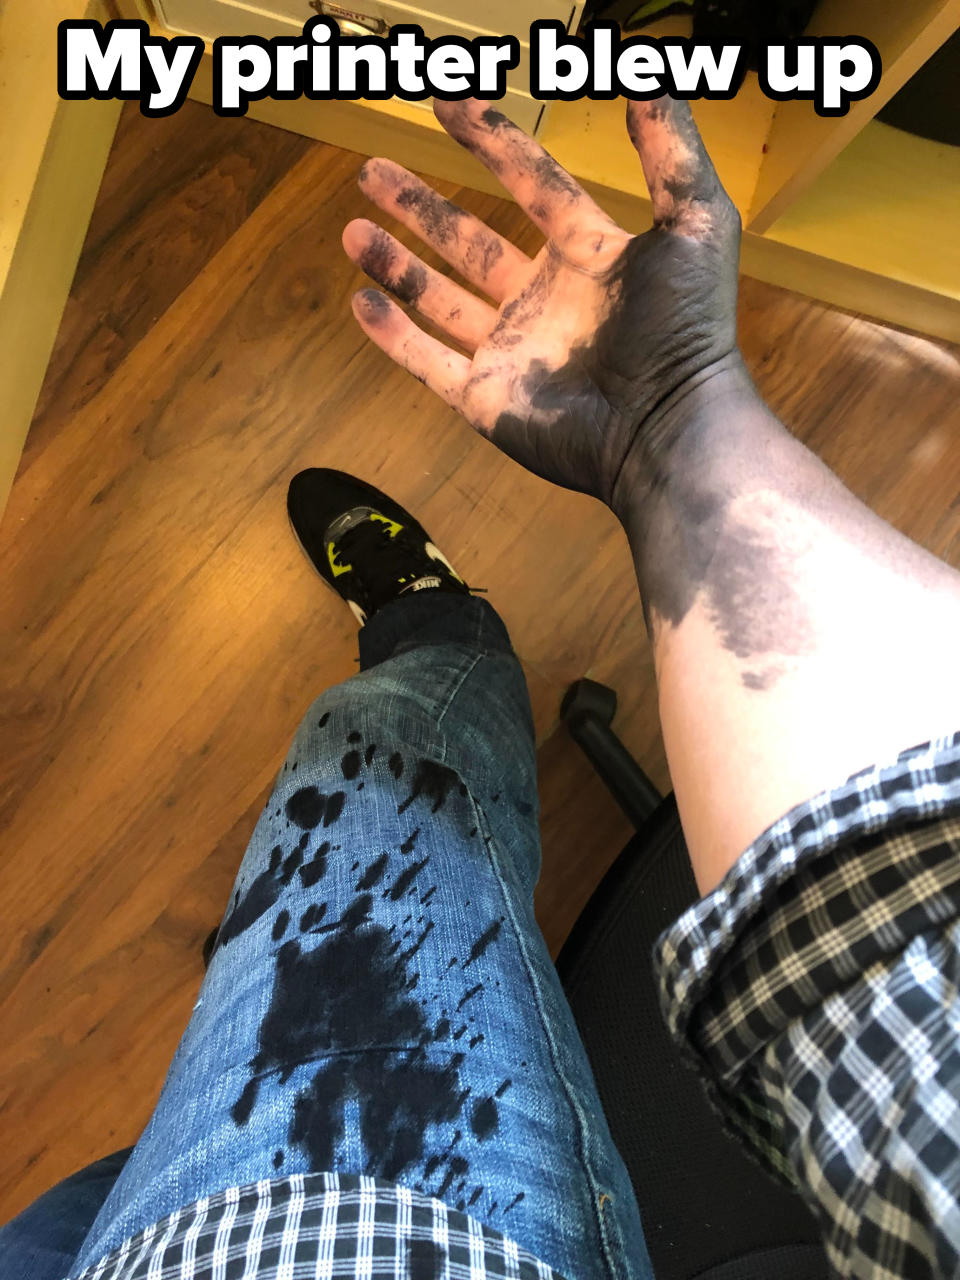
x=162 y=633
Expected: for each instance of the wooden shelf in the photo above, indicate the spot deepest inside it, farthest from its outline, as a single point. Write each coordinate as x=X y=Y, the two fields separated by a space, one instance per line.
x=801 y=143
x=889 y=204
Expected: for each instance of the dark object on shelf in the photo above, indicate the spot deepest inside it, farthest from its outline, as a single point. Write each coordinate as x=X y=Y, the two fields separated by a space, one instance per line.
x=752 y=23
x=709 y=1211
x=929 y=103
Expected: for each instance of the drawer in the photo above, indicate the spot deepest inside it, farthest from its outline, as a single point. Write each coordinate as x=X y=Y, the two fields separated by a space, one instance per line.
x=212 y=18
x=492 y=17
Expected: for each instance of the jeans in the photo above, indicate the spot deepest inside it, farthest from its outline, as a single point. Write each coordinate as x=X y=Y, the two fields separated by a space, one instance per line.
x=380 y=999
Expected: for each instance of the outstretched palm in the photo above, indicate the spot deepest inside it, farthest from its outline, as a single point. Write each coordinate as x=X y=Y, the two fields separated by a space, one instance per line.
x=597 y=340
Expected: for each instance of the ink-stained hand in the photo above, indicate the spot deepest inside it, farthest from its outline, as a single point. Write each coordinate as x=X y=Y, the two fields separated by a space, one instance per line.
x=592 y=355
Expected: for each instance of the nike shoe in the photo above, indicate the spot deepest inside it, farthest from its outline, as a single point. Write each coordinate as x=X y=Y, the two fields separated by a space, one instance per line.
x=363 y=544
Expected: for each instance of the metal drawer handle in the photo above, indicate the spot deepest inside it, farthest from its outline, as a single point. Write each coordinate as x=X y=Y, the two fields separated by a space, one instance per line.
x=350 y=22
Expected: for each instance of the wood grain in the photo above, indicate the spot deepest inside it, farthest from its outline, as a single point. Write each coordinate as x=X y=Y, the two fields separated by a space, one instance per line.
x=162 y=633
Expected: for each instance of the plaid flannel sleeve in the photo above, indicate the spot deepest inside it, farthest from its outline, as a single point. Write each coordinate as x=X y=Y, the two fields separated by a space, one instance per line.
x=817 y=992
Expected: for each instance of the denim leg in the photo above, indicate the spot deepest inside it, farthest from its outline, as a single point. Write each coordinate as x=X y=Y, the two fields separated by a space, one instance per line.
x=380 y=1000
x=41 y=1242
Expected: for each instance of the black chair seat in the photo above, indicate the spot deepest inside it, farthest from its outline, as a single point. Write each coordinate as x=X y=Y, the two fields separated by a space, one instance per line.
x=709 y=1212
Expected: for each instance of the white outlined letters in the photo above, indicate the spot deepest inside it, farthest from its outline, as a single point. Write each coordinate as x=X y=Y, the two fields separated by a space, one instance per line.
x=122 y=60
x=598 y=64
x=829 y=72
x=324 y=64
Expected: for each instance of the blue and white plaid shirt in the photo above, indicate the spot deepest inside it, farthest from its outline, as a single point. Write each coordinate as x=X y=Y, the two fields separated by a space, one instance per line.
x=817 y=991
x=321 y=1226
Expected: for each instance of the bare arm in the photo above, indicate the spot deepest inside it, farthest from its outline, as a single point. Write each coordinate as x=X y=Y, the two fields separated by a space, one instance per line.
x=778 y=605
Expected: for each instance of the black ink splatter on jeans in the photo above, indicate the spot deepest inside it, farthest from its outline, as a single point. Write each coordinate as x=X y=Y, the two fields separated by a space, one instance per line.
x=456 y=1168
x=312 y=916
x=259 y=898
x=486 y=938
x=277 y=1159
x=405 y=879
x=362 y=1047
x=305 y=808
x=368 y=755
x=280 y=925
x=374 y=873
x=357 y=913
x=350 y=764
x=409 y=844
x=292 y=862
x=334 y=807
x=240 y=1111
x=323 y=720
x=412 y=951
x=314 y=870
x=366 y=1005
x=433 y=781
x=395 y=764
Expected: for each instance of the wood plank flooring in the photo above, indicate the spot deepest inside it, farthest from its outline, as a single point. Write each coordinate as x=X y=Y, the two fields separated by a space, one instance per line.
x=162 y=634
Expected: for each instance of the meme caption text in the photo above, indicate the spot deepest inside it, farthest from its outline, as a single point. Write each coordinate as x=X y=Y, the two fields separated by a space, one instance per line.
x=123 y=60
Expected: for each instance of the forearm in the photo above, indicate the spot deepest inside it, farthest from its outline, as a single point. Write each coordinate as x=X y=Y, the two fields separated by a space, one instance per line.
x=797 y=636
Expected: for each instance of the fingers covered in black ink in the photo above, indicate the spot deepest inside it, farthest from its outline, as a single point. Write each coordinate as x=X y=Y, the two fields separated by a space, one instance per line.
x=431 y=362
x=481 y=256
x=551 y=197
x=466 y=318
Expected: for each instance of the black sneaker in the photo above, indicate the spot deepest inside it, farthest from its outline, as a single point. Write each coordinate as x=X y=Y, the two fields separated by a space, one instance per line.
x=363 y=545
